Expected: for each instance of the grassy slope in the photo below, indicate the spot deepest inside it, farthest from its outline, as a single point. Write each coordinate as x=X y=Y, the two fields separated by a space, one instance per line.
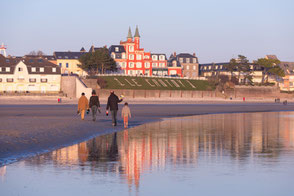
x=126 y=82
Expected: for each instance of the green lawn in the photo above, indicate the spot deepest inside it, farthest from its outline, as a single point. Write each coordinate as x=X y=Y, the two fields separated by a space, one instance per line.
x=154 y=83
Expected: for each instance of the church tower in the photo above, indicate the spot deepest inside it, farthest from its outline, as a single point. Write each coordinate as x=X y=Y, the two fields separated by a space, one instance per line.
x=130 y=37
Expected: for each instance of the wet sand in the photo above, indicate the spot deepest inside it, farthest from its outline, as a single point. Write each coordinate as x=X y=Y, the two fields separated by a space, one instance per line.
x=27 y=130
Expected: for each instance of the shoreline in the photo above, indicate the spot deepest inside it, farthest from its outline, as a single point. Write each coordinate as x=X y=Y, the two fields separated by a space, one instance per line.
x=24 y=135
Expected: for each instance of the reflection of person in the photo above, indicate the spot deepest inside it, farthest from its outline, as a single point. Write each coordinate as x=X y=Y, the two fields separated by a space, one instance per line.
x=125 y=114
x=83 y=105
x=94 y=104
x=112 y=104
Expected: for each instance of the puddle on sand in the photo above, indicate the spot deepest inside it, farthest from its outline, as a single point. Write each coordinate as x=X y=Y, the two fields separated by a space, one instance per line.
x=224 y=154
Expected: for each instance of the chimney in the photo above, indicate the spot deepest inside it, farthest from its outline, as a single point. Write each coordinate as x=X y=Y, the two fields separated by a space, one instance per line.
x=175 y=54
x=194 y=54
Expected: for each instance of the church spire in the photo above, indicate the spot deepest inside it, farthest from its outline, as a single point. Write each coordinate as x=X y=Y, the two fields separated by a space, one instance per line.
x=137 y=32
x=130 y=34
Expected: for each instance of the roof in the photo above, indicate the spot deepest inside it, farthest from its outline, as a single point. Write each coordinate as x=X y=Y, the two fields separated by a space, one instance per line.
x=186 y=55
x=68 y=55
x=93 y=49
x=158 y=54
x=271 y=56
x=112 y=48
x=288 y=67
x=130 y=33
x=137 y=32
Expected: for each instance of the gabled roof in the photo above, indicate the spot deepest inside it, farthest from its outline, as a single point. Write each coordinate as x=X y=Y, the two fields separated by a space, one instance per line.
x=68 y=55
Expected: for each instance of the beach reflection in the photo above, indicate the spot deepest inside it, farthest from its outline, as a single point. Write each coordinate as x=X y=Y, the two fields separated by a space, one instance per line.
x=183 y=142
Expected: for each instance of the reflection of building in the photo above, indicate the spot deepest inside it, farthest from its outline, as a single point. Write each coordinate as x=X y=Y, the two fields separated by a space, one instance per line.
x=29 y=75
x=183 y=141
x=2 y=172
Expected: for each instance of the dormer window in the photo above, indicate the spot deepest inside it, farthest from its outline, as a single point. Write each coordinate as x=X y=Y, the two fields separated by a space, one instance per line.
x=187 y=60
x=59 y=57
x=174 y=63
x=194 y=60
x=76 y=57
x=53 y=69
x=7 y=69
x=161 y=57
x=154 y=57
x=40 y=60
x=33 y=69
x=7 y=60
x=41 y=69
x=116 y=49
x=66 y=57
x=181 y=60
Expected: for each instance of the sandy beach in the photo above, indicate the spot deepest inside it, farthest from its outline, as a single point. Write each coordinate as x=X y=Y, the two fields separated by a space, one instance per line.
x=30 y=127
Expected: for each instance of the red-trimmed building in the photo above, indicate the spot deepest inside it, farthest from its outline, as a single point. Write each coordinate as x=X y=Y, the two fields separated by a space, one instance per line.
x=133 y=60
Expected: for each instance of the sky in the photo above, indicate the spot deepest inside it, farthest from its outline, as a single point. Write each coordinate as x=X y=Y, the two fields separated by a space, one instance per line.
x=216 y=30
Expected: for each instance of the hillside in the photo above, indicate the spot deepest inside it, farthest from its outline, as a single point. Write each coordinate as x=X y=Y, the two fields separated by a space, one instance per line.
x=152 y=83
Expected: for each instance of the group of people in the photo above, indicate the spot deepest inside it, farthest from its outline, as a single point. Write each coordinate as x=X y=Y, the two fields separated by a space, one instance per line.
x=112 y=104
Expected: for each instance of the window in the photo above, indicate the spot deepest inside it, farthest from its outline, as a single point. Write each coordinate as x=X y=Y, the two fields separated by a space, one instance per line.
x=194 y=60
x=113 y=55
x=161 y=57
x=123 y=55
x=154 y=57
x=9 y=80
x=174 y=63
x=131 y=57
x=194 y=67
x=209 y=67
x=123 y=64
x=40 y=60
x=43 y=80
x=60 y=57
x=131 y=65
x=7 y=60
x=76 y=57
x=139 y=65
x=139 y=57
x=187 y=60
x=131 y=48
x=53 y=69
x=31 y=60
x=66 y=57
x=205 y=68
x=116 y=49
x=147 y=65
x=0 y=79
x=66 y=65
x=181 y=60
x=154 y=64
x=20 y=69
x=7 y=69
x=33 y=69
x=146 y=57
x=188 y=67
x=41 y=69
x=220 y=66
x=60 y=64
x=32 y=80
x=130 y=72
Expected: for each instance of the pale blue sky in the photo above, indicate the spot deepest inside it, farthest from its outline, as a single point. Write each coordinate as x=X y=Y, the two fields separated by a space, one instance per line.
x=216 y=30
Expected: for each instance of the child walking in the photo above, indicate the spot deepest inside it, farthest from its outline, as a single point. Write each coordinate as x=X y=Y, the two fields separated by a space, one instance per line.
x=125 y=114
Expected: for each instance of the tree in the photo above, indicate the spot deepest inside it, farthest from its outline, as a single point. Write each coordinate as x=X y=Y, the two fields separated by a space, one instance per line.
x=231 y=67
x=37 y=53
x=270 y=67
x=98 y=61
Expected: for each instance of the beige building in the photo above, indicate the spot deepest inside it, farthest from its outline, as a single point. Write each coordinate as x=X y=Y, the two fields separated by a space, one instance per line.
x=29 y=75
x=69 y=61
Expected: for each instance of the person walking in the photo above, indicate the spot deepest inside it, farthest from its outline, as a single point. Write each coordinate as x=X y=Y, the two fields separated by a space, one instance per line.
x=94 y=104
x=83 y=105
x=125 y=114
x=112 y=104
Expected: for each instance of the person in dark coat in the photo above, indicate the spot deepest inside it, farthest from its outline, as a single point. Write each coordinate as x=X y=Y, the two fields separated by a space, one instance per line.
x=94 y=104
x=112 y=104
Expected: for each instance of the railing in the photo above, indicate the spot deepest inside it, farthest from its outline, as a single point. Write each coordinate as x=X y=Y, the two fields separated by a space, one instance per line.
x=173 y=77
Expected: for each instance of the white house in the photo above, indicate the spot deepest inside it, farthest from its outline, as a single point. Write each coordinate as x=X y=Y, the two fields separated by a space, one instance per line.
x=34 y=75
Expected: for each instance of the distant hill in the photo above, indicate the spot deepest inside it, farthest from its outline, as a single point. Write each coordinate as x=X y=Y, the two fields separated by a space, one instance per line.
x=152 y=83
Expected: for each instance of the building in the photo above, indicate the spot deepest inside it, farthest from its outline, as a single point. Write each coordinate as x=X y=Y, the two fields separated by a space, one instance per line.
x=184 y=64
x=214 y=69
x=69 y=61
x=133 y=60
x=287 y=84
x=36 y=75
